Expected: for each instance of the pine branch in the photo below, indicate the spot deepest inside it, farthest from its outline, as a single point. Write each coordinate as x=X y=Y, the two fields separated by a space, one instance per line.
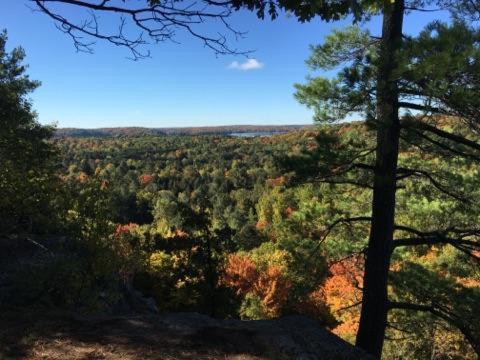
x=444 y=314
x=406 y=172
x=336 y=223
x=434 y=240
x=420 y=125
x=413 y=106
x=461 y=239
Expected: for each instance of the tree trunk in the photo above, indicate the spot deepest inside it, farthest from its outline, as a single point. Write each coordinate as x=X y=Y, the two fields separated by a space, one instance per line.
x=373 y=317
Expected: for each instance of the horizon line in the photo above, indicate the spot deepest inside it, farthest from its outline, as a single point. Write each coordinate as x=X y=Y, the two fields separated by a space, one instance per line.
x=186 y=127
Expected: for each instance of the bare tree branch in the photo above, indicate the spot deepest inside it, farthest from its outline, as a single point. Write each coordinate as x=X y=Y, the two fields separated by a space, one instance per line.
x=157 y=21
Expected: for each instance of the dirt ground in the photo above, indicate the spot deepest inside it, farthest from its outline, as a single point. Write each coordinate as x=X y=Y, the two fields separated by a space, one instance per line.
x=29 y=335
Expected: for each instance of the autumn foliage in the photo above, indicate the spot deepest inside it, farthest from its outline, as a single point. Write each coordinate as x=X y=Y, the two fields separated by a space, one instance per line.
x=343 y=294
x=315 y=306
x=270 y=286
x=267 y=282
x=124 y=229
x=279 y=181
x=240 y=274
x=145 y=179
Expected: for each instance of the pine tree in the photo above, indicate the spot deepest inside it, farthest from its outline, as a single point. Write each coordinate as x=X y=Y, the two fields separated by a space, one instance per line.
x=435 y=109
x=26 y=174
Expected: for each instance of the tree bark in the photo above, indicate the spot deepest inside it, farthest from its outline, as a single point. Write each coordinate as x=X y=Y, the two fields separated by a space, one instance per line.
x=373 y=318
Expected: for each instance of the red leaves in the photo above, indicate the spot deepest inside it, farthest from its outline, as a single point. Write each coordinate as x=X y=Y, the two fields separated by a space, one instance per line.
x=145 y=179
x=124 y=229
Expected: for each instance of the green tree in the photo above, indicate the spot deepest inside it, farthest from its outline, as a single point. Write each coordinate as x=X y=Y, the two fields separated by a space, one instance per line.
x=419 y=93
x=26 y=156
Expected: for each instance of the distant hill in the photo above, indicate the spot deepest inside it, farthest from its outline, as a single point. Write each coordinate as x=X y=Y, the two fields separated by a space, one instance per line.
x=204 y=130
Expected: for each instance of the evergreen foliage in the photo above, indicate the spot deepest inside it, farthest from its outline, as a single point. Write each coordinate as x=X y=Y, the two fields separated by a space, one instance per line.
x=26 y=156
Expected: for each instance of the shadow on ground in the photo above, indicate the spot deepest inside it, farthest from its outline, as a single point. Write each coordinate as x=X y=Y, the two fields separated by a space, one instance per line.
x=37 y=335
x=64 y=336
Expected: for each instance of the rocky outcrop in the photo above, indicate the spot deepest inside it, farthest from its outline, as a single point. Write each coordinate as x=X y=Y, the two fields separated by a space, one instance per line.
x=186 y=336
x=291 y=337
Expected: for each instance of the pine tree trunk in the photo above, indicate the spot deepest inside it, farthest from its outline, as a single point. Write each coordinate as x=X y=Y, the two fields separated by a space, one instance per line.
x=373 y=318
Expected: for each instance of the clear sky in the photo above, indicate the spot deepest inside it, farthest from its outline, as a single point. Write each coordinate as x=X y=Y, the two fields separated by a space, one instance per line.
x=181 y=84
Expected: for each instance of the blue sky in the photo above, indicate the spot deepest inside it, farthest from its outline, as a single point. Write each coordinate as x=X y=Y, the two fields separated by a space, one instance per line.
x=181 y=84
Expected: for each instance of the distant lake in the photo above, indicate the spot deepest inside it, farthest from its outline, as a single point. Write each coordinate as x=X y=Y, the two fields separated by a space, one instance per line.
x=254 y=134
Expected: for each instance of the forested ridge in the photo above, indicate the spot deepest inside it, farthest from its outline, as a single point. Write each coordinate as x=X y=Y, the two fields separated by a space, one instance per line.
x=202 y=130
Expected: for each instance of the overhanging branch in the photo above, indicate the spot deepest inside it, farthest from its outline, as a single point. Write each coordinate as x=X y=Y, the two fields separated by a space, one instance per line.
x=467 y=245
x=336 y=223
x=444 y=314
x=421 y=125
x=406 y=172
x=464 y=240
x=157 y=20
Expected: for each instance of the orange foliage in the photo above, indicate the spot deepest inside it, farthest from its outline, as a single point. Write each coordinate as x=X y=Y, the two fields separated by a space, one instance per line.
x=309 y=134
x=344 y=130
x=430 y=256
x=289 y=212
x=145 y=179
x=343 y=291
x=104 y=185
x=180 y=153
x=261 y=224
x=270 y=286
x=312 y=146
x=276 y=182
x=240 y=274
x=468 y=282
x=180 y=233
x=82 y=177
x=314 y=305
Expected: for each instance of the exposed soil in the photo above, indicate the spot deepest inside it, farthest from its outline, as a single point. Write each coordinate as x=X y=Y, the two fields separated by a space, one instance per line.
x=62 y=336
x=67 y=336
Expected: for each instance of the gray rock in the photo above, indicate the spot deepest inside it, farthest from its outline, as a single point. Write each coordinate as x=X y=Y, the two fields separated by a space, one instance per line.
x=291 y=337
